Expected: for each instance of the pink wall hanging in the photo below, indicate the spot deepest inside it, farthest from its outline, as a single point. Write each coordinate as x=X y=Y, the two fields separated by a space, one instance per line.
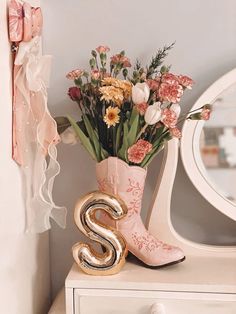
x=34 y=130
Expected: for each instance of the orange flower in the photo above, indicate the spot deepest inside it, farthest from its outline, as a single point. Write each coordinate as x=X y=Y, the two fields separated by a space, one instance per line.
x=112 y=94
x=115 y=90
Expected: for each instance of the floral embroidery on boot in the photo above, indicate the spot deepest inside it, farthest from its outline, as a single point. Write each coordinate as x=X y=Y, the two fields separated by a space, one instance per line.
x=148 y=242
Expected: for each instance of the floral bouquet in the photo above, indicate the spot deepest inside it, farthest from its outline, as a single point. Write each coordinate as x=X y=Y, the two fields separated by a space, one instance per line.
x=127 y=116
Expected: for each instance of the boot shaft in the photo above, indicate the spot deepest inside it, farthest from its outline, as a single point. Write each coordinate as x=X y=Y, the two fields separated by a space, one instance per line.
x=116 y=177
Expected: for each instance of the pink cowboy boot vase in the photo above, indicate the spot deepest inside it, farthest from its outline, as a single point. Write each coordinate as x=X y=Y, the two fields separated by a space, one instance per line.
x=116 y=177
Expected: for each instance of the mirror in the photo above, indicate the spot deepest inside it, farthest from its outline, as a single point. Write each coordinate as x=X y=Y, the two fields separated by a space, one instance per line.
x=208 y=148
x=218 y=144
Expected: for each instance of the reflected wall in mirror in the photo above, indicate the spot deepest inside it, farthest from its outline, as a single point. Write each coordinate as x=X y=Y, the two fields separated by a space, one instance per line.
x=208 y=148
x=218 y=144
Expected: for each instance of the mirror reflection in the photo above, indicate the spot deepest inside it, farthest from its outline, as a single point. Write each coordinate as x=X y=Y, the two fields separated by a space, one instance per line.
x=218 y=144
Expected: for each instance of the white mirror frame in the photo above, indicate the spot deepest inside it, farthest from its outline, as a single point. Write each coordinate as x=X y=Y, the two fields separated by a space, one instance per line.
x=190 y=149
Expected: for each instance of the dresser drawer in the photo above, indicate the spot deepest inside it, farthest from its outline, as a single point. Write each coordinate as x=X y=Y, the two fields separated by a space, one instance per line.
x=92 y=301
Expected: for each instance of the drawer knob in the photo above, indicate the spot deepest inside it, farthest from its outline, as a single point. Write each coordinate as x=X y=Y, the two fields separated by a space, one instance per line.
x=158 y=308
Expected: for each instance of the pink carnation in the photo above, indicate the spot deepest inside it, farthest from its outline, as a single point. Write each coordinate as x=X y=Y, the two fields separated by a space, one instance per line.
x=169 y=78
x=116 y=59
x=138 y=151
x=144 y=145
x=169 y=118
x=102 y=49
x=175 y=132
x=205 y=114
x=170 y=92
x=154 y=84
x=136 y=154
x=185 y=81
x=75 y=74
x=95 y=74
x=141 y=108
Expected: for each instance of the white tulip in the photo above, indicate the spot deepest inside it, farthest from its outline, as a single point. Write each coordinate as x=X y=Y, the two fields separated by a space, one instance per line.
x=153 y=113
x=176 y=108
x=140 y=93
x=69 y=136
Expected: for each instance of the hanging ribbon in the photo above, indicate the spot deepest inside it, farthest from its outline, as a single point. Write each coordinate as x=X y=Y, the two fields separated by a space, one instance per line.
x=34 y=130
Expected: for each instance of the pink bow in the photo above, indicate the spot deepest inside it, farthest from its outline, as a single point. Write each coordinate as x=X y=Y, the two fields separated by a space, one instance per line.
x=15 y=21
x=25 y=22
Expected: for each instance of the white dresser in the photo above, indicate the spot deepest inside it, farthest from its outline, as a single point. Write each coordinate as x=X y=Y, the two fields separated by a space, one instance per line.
x=203 y=284
x=197 y=286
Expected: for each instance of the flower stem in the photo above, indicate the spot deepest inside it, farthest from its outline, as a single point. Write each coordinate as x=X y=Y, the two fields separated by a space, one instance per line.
x=142 y=131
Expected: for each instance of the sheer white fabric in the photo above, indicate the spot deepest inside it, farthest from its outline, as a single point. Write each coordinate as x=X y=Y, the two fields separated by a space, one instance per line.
x=36 y=137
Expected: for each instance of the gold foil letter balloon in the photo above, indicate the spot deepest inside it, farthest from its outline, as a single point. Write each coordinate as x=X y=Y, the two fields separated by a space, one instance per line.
x=90 y=261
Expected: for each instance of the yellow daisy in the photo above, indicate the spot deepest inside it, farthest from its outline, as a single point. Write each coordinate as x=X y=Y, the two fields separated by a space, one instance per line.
x=112 y=117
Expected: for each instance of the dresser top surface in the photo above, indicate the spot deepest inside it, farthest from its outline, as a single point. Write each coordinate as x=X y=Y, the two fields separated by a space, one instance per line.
x=195 y=274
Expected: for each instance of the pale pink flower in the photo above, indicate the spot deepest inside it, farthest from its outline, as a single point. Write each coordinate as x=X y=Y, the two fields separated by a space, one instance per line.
x=154 y=84
x=141 y=108
x=144 y=145
x=205 y=114
x=175 y=132
x=169 y=118
x=170 y=92
x=75 y=74
x=102 y=49
x=120 y=59
x=136 y=154
x=185 y=81
x=95 y=74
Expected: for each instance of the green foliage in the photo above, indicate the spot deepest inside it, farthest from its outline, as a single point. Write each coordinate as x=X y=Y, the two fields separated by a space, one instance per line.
x=122 y=153
x=133 y=129
x=85 y=141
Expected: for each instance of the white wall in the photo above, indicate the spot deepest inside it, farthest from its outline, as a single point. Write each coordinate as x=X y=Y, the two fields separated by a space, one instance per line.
x=24 y=261
x=205 y=49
